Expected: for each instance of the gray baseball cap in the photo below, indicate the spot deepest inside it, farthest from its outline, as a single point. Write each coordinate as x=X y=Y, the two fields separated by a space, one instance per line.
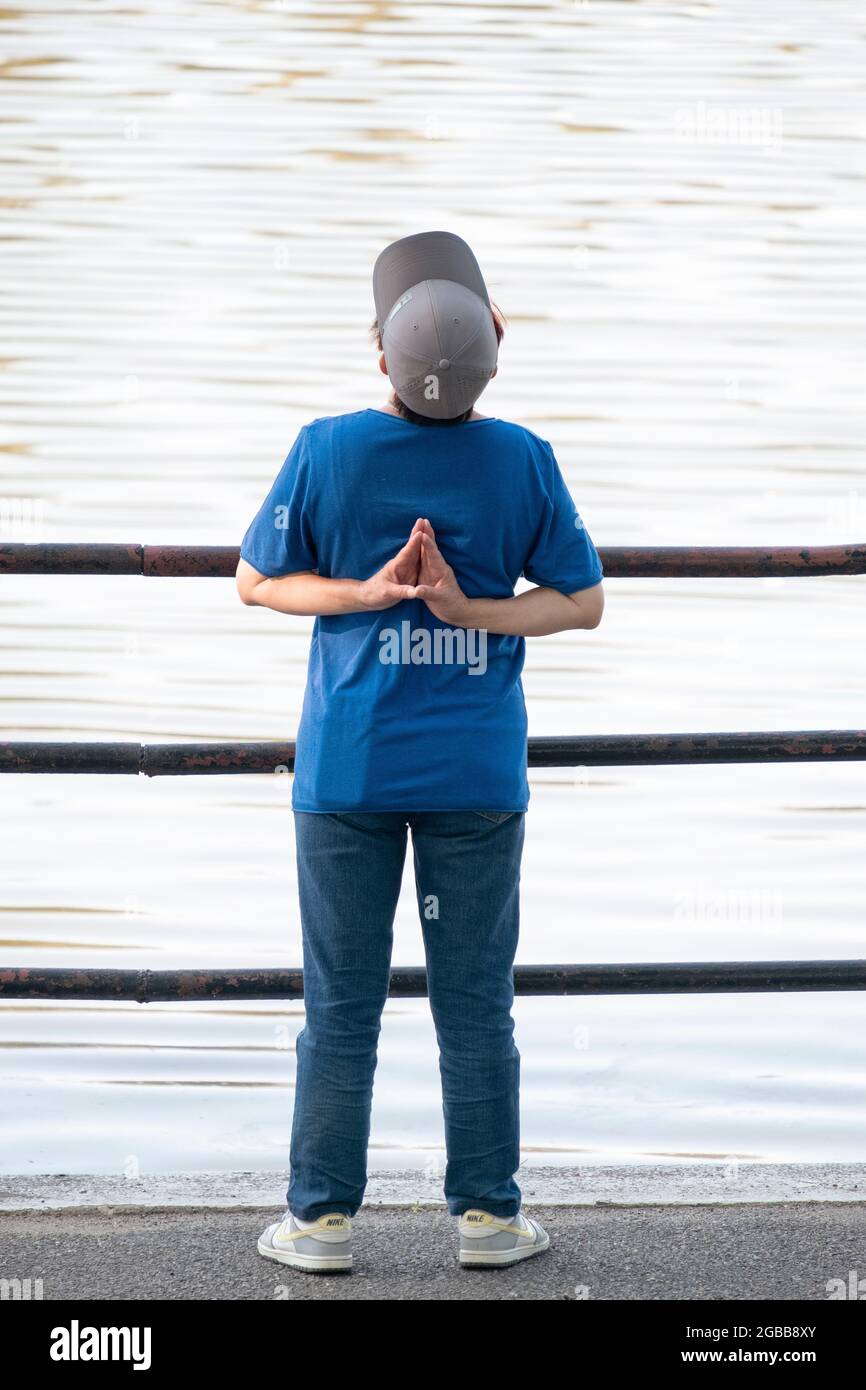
x=436 y=323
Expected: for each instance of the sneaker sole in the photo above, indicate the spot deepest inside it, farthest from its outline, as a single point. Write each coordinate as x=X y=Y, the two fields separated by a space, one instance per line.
x=313 y=1264
x=481 y=1258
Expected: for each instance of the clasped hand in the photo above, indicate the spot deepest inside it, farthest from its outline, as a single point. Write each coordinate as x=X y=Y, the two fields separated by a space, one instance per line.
x=419 y=570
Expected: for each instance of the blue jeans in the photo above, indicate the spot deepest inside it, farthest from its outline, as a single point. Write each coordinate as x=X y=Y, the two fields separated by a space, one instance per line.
x=467 y=877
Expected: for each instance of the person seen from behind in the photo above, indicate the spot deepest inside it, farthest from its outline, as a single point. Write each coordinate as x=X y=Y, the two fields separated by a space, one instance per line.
x=403 y=530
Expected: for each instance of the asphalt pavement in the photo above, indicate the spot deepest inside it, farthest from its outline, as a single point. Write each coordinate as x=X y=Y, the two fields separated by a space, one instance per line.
x=785 y=1250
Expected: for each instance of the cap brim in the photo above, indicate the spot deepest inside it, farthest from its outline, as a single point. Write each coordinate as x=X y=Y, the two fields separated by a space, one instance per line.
x=424 y=256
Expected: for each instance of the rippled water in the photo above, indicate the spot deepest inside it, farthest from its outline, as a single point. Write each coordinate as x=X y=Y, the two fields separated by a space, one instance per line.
x=668 y=203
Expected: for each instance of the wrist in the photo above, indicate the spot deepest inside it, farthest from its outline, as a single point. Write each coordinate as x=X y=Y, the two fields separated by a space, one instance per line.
x=465 y=612
x=362 y=596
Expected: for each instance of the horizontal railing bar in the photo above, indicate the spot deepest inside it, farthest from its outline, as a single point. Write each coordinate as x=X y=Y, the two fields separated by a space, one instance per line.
x=693 y=977
x=619 y=561
x=585 y=750
x=71 y=757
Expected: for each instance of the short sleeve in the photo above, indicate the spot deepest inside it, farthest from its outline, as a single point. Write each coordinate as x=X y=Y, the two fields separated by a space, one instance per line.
x=562 y=556
x=279 y=539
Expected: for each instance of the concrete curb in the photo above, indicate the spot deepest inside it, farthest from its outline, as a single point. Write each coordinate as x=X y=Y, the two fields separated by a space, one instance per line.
x=727 y=1183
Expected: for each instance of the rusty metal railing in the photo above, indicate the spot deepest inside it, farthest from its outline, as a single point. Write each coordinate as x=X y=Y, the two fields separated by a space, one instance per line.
x=186 y=759
x=618 y=561
x=588 y=750
x=410 y=982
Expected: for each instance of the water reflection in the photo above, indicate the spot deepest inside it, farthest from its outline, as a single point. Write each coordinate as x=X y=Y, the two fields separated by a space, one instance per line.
x=192 y=201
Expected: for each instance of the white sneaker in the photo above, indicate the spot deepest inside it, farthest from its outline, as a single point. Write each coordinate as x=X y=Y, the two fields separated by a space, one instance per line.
x=321 y=1249
x=499 y=1240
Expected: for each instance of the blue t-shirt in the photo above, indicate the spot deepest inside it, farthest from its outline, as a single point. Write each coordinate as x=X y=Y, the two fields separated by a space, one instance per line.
x=401 y=711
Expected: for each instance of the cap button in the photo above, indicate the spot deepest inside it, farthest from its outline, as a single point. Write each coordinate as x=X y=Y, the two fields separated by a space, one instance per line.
x=443 y=363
